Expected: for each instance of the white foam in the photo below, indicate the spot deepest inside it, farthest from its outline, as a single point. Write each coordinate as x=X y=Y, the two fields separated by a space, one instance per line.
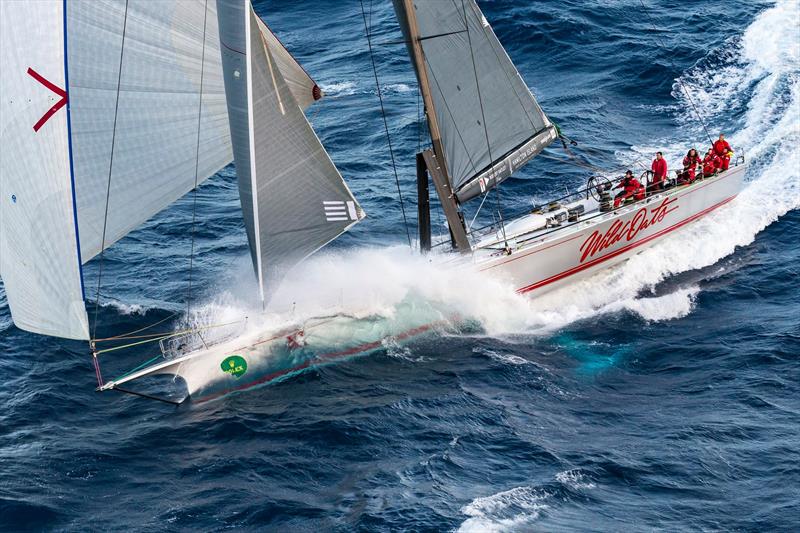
x=398 y=88
x=344 y=88
x=574 y=479
x=504 y=511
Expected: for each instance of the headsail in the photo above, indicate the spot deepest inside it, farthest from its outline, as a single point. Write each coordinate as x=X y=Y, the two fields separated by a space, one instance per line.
x=490 y=123
x=56 y=163
x=293 y=198
x=168 y=46
x=39 y=256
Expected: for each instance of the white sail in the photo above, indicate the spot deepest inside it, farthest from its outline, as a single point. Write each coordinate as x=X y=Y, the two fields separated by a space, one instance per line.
x=168 y=46
x=491 y=125
x=39 y=255
x=303 y=88
x=60 y=190
x=294 y=200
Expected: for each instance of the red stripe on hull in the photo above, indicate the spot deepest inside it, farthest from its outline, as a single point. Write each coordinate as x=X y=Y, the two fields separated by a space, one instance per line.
x=622 y=250
x=324 y=358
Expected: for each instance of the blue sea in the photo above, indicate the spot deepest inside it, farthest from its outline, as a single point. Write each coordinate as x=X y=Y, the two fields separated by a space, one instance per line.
x=663 y=394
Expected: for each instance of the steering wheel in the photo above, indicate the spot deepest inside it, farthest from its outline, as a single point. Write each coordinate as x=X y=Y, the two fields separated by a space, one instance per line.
x=598 y=184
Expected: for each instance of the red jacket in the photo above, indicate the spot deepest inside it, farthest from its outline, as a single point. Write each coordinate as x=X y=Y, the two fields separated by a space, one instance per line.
x=721 y=148
x=710 y=163
x=691 y=162
x=659 y=168
x=629 y=187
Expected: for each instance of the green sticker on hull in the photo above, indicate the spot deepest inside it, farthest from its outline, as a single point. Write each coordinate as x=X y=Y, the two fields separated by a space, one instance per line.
x=235 y=365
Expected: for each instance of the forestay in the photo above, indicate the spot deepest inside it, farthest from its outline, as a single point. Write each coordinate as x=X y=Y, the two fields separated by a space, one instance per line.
x=490 y=123
x=294 y=200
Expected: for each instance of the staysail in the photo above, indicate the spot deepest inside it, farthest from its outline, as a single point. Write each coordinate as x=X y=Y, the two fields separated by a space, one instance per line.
x=293 y=198
x=490 y=123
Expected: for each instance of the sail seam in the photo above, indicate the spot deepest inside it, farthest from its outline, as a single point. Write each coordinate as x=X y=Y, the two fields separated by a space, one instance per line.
x=493 y=163
x=272 y=73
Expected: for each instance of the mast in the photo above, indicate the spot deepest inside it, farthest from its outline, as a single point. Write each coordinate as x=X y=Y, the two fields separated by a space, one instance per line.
x=435 y=161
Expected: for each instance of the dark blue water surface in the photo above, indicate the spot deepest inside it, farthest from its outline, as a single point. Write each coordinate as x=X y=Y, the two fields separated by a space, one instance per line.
x=662 y=395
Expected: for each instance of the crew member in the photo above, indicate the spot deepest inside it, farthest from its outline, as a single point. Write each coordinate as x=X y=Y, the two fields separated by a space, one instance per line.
x=710 y=163
x=690 y=164
x=724 y=151
x=631 y=188
x=659 y=168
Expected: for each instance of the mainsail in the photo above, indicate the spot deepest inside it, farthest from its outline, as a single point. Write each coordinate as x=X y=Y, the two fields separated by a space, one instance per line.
x=293 y=198
x=490 y=123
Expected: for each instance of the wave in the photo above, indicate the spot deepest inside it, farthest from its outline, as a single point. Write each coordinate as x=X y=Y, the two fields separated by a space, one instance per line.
x=504 y=511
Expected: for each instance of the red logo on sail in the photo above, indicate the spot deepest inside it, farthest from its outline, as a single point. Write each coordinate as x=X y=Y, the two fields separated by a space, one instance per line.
x=643 y=219
x=58 y=105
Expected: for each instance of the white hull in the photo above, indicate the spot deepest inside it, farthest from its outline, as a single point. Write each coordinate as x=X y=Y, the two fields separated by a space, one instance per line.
x=540 y=260
x=268 y=356
x=549 y=259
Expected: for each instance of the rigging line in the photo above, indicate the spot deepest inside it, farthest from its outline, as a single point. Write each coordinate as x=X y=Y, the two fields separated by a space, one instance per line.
x=110 y=168
x=485 y=128
x=678 y=79
x=385 y=122
x=419 y=121
x=197 y=160
x=146 y=396
x=134 y=332
x=485 y=196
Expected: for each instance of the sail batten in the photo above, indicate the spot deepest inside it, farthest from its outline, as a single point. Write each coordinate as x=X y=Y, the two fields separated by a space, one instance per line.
x=487 y=116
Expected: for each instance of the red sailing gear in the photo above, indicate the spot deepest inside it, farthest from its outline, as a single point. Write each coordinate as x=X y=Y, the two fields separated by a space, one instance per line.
x=689 y=166
x=630 y=187
x=710 y=164
x=721 y=150
x=659 y=168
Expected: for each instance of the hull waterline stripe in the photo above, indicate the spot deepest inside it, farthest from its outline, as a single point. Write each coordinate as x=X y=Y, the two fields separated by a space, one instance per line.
x=622 y=250
x=323 y=359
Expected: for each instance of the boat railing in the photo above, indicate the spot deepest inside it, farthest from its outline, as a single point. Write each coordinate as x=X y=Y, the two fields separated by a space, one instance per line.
x=650 y=189
x=594 y=184
x=200 y=338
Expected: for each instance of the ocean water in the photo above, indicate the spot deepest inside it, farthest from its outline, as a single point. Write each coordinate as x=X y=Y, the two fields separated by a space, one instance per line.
x=661 y=394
